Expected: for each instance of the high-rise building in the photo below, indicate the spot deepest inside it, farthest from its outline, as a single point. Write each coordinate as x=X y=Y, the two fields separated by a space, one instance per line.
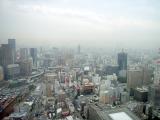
x=7 y=54
x=154 y=91
x=1 y=73
x=6 y=57
x=147 y=75
x=157 y=73
x=134 y=79
x=12 y=45
x=50 y=83
x=154 y=95
x=26 y=67
x=122 y=61
x=138 y=76
x=33 y=54
x=23 y=53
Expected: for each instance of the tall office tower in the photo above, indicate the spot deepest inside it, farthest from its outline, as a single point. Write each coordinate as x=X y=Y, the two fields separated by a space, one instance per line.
x=134 y=79
x=1 y=73
x=157 y=73
x=138 y=76
x=154 y=95
x=6 y=56
x=26 y=67
x=33 y=54
x=12 y=44
x=122 y=61
x=24 y=53
x=147 y=75
x=154 y=91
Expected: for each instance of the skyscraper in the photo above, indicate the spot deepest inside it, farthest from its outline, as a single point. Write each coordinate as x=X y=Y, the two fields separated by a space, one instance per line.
x=33 y=54
x=26 y=67
x=6 y=56
x=134 y=79
x=154 y=90
x=157 y=73
x=12 y=45
x=154 y=95
x=122 y=61
x=1 y=73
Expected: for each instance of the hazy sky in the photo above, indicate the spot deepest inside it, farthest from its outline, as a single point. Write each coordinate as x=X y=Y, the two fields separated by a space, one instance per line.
x=102 y=23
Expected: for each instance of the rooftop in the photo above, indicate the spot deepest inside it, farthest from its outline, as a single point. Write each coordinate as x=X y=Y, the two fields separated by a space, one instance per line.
x=117 y=113
x=120 y=116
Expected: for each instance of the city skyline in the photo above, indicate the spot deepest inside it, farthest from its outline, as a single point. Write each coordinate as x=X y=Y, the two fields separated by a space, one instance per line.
x=116 y=24
x=79 y=60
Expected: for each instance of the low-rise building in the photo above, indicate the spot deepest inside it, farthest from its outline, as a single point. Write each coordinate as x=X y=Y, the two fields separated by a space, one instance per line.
x=141 y=94
x=103 y=112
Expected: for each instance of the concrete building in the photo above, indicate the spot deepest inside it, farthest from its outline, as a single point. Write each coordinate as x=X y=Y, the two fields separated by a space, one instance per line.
x=24 y=53
x=154 y=90
x=13 y=70
x=12 y=44
x=147 y=73
x=111 y=69
x=122 y=73
x=33 y=54
x=103 y=112
x=156 y=77
x=111 y=91
x=50 y=83
x=124 y=97
x=138 y=76
x=86 y=70
x=105 y=97
x=6 y=57
x=141 y=94
x=134 y=79
x=96 y=79
x=157 y=72
x=1 y=73
x=26 y=67
x=154 y=95
x=88 y=88
x=122 y=61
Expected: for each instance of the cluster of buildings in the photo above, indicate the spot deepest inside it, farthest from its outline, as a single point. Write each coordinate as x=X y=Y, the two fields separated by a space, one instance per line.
x=16 y=62
x=9 y=97
x=82 y=85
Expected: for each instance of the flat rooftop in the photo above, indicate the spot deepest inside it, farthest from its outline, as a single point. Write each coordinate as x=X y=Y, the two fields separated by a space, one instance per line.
x=107 y=113
x=120 y=116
